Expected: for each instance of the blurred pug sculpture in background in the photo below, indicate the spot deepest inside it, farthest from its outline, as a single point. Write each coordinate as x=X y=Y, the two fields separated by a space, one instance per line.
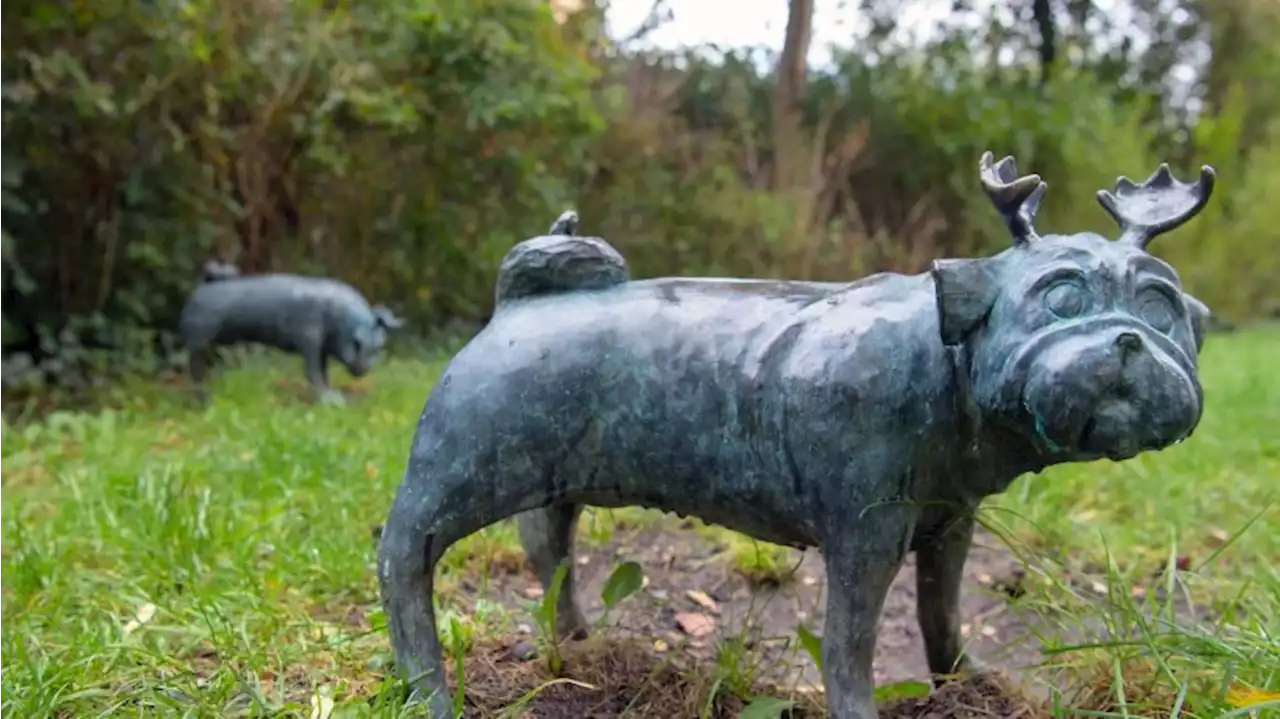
x=315 y=317
x=867 y=419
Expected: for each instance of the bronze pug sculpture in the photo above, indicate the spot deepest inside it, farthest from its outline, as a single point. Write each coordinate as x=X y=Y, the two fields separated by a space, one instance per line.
x=316 y=317
x=867 y=419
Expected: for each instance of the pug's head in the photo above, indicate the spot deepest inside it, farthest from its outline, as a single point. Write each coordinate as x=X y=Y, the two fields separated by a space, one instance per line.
x=364 y=338
x=1085 y=346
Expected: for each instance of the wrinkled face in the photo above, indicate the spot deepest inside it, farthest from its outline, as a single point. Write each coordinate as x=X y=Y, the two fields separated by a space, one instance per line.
x=1086 y=347
x=362 y=346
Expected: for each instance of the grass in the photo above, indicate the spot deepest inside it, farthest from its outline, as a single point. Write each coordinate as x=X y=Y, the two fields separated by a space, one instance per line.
x=159 y=558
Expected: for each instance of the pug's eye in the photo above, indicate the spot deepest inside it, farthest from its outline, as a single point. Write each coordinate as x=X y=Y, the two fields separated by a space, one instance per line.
x=1067 y=299
x=1156 y=309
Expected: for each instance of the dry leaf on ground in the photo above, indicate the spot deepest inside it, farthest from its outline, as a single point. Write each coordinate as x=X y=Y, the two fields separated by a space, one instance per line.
x=695 y=624
x=703 y=600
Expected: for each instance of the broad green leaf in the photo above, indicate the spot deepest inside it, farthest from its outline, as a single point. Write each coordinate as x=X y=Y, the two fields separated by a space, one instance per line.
x=625 y=580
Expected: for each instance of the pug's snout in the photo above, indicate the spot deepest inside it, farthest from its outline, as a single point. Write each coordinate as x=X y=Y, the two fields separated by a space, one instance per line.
x=1129 y=342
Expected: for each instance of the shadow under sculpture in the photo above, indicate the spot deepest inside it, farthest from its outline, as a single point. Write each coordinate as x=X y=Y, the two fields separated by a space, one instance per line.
x=867 y=419
x=316 y=317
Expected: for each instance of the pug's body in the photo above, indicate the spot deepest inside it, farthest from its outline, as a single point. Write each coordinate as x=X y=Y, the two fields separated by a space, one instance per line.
x=315 y=317
x=866 y=419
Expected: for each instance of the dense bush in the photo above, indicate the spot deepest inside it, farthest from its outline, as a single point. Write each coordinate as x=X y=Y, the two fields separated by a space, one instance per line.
x=405 y=147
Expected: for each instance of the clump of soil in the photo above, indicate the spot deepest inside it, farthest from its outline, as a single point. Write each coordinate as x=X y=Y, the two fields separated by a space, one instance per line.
x=983 y=696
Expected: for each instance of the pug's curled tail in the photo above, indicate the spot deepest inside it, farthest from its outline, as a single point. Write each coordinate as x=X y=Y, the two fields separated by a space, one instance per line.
x=215 y=271
x=559 y=261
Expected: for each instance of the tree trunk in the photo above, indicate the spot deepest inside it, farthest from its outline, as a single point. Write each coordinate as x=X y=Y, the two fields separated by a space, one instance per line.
x=793 y=150
x=791 y=157
x=1042 y=11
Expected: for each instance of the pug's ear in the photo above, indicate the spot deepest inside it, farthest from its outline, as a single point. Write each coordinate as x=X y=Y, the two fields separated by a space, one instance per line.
x=1199 y=314
x=965 y=292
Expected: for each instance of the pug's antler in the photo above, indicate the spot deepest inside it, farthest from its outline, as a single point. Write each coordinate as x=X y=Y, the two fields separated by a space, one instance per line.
x=565 y=224
x=1155 y=207
x=1016 y=198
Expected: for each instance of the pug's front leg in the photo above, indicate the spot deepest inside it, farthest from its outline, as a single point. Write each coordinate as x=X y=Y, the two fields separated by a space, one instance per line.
x=860 y=568
x=318 y=378
x=940 y=559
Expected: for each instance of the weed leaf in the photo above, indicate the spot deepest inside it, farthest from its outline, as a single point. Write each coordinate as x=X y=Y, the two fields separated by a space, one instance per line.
x=765 y=708
x=812 y=644
x=901 y=690
x=459 y=653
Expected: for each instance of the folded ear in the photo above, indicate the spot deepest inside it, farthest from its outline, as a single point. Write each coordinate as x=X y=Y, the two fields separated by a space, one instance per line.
x=386 y=318
x=965 y=292
x=1199 y=313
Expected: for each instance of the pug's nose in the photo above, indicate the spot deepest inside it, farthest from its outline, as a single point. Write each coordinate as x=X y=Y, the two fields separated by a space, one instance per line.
x=1128 y=342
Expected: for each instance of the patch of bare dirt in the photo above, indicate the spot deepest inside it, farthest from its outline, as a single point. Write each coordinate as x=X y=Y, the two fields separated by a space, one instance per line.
x=694 y=603
x=295 y=389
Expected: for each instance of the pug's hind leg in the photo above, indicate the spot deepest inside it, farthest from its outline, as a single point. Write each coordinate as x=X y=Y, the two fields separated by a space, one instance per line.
x=547 y=535
x=406 y=575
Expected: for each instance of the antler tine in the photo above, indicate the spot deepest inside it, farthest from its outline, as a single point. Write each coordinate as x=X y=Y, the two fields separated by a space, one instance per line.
x=1017 y=199
x=1158 y=205
x=565 y=224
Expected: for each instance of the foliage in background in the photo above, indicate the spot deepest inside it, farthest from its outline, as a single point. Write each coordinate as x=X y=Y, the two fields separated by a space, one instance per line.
x=406 y=147
x=402 y=147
